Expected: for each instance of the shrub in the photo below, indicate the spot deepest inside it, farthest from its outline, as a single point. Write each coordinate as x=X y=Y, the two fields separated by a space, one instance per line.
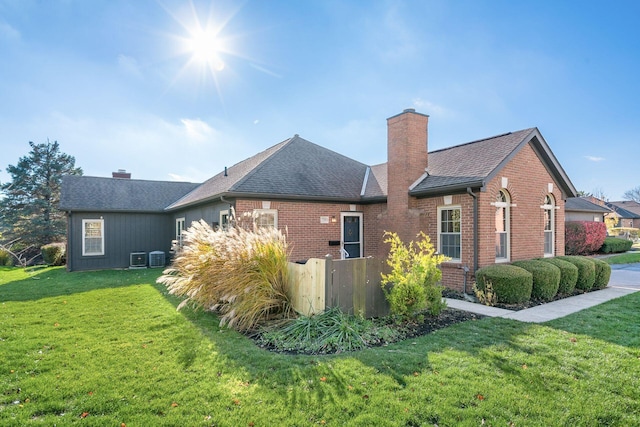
x=584 y=237
x=511 y=284
x=5 y=258
x=241 y=274
x=603 y=274
x=332 y=331
x=414 y=277
x=615 y=245
x=486 y=296
x=586 y=271
x=568 y=274
x=54 y=253
x=546 y=278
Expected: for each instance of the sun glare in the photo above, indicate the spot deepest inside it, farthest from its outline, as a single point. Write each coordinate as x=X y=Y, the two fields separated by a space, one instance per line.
x=205 y=48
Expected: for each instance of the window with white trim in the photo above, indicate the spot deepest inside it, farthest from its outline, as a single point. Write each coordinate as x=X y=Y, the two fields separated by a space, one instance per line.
x=502 y=225
x=549 y=225
x=224 y=220
x=180 y=227
x=265 y=218
x=449 y=232
x=92 y=237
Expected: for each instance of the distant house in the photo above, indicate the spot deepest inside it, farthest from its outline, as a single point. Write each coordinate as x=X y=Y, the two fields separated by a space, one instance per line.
x=488 y=201
x=627 y=212
x=584 y=209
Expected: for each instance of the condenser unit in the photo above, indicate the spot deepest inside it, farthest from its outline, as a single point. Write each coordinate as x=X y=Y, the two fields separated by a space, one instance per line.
x=138 y=260
x=156 y=259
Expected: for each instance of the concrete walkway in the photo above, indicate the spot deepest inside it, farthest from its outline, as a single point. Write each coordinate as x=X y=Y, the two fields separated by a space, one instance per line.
x=624 y=281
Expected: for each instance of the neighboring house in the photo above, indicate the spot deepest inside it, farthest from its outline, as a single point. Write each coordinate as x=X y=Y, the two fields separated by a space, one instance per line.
x=627 y=212
x=583 y=209
x=492 y=200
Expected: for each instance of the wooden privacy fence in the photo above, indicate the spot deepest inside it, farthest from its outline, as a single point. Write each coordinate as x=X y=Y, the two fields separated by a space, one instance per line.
x=354 y=285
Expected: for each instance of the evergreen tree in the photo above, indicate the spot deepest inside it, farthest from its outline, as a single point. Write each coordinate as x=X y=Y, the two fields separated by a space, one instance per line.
x=29 y=206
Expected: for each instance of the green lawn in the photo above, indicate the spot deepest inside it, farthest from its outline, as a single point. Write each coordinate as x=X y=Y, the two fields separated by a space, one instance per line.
x=108 y=348
x=626 y=258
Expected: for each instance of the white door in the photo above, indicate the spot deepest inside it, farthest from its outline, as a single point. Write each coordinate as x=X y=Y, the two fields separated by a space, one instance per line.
x=351 y=242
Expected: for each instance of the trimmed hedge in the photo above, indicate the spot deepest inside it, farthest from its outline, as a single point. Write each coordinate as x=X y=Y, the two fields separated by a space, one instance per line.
x=613 y=245
x=603 y=274
x=546 y=278
x=568 y=274
x=54 y=253
x=511 y=284
x=586 y=271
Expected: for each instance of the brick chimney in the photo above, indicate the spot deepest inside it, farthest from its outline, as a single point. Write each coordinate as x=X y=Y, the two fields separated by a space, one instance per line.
x=407 y=160
x=122 y=173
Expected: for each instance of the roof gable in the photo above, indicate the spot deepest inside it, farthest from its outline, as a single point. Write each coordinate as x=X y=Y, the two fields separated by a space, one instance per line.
x=625 y=209
x=88 y=193
x=475 y=163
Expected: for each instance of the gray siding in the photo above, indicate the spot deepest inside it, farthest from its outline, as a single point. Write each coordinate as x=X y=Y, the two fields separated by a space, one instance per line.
x=210 y=213
x=124 y=233
x=582 y=216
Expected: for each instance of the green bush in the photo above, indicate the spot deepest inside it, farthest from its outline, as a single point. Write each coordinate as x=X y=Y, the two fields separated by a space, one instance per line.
x=546 y=278
x=332 y=331
x=568 y=274
x=511 y=284
x=603 y=274
x=5 y=258
x=586 y=271
x=614 y=245
x=54 y=253
x=414 y=277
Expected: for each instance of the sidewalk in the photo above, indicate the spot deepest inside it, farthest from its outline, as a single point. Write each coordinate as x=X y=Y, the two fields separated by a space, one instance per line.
x=549 y=311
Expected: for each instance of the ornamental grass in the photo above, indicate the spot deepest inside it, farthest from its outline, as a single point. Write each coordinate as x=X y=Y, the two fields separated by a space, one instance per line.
x=240 y=274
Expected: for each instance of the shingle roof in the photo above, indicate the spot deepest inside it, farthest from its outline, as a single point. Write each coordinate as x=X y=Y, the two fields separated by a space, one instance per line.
x=295 y=168
x=624 y=209
x=474 y=163
x=628 y=205
x=376 y=185
x=88 y=193
x=581 y=204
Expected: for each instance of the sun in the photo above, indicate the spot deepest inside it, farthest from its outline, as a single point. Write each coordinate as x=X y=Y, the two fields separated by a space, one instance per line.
x=205 y=47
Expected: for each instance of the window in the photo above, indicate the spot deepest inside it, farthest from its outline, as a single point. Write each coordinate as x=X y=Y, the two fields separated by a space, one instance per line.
x=503 y=215
x=180 y=222
x=265 y=218
x=449 y=236
x=92 y=237
x=549 y=225
x=224 y=220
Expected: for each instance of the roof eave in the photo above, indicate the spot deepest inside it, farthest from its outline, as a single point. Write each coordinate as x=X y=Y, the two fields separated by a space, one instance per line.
x=447 y=189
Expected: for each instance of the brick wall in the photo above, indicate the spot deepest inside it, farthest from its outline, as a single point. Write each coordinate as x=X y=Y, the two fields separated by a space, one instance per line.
x=300 y=221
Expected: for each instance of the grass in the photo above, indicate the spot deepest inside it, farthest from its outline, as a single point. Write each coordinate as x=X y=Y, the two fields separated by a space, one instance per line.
x=626 y=258
x=108 y=348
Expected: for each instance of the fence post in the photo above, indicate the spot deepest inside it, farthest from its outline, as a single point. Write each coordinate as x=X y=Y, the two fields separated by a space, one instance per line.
x=328 y=282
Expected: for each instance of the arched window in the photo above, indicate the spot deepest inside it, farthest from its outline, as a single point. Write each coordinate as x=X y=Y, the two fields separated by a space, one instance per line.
x=503 y=215
x=549 y=225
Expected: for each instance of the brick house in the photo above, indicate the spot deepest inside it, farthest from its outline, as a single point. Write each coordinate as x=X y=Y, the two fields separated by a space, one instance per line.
x=488 y=201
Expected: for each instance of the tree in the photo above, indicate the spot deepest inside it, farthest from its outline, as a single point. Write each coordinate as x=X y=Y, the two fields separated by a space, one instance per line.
x=29 y=208
x=633 y=194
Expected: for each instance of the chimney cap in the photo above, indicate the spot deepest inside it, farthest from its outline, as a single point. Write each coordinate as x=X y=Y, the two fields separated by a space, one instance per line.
x=409 y=110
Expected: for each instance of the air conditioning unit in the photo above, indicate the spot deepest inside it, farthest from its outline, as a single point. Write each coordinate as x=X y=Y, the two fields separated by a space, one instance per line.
x=138 y=260
x=156 y=259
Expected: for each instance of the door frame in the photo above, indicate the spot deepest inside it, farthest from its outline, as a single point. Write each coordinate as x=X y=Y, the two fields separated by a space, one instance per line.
x=360 y=216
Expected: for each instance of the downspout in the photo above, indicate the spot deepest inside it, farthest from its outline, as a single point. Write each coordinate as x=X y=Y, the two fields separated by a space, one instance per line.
x=475 y=229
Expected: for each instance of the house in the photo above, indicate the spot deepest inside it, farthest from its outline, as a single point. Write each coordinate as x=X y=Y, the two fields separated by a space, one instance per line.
x=584 y=209
x=488 y=201
x=627 y=213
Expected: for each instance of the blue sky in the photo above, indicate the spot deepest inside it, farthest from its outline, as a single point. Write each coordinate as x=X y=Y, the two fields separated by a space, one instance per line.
x=119 y=86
